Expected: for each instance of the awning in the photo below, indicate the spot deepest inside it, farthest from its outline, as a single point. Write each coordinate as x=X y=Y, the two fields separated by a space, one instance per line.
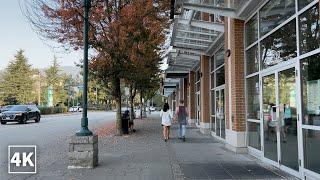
x=169 y=86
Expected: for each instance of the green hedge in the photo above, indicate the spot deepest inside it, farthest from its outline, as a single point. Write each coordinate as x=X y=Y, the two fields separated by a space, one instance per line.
x=53 y=110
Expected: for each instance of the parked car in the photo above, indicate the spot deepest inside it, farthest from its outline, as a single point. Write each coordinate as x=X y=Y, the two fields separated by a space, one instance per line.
x=5 y=108
x=75 y=109
x=151 y=108
x=21 y=114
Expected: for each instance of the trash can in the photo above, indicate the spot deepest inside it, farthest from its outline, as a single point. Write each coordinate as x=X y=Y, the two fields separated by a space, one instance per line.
x=125 y=122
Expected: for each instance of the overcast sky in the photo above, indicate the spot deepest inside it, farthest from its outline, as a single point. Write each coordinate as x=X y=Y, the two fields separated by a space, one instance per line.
x=16 y=33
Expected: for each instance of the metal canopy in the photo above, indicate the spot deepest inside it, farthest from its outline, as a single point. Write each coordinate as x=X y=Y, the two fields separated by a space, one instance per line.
x=203 y=24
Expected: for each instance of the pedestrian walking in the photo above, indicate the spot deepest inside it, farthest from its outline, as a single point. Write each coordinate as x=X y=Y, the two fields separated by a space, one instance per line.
x=181 y=115
x=166 y=115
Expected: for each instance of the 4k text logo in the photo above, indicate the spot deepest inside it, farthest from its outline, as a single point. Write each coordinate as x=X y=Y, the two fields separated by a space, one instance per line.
x=22 y=159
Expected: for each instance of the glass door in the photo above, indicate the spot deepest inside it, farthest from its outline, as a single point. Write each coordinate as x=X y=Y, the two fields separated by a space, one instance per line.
x=279 y=107
x=220 y=113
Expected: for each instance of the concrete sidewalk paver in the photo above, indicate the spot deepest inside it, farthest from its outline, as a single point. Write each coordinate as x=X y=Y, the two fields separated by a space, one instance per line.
x=144 y=155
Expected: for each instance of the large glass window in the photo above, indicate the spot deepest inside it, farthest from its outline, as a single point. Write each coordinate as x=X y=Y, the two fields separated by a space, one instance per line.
x=310 y=74
x=212 y=64
x=252 y=57
x=212 y=80
x=212 y=103
x=303 y=3
x=309 y=30
x=279 y=46
x=274 y=13
x=311 y=149
x=254 y=135
x=253 y=103
x=220 y=76
x=219 y=58
x=251 y=30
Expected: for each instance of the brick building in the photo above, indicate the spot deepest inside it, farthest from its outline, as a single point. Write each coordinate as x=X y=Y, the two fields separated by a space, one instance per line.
x=249 y=71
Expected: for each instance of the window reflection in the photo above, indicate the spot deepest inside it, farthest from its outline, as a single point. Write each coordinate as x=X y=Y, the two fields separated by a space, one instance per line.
x=212 y=64
x=274 y=13
x=212 y=80
x=309 y=27
x=279 y=46
x=252 y=30
x=253 y=104
x=220 y=76
x=310 y=73
x=252 y=58
x=311 y=149
x=303 y=3
x=219 y=58
x=254 y=135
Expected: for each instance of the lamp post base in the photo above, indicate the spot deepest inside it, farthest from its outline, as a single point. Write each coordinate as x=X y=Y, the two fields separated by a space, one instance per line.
x=83 y=152
x=84 y=131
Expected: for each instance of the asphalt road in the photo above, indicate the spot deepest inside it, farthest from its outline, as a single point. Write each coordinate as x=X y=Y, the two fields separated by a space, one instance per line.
x=50 y=136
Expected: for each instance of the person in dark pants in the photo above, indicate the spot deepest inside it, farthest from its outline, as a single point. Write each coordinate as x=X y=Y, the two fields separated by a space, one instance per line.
x=181 y=116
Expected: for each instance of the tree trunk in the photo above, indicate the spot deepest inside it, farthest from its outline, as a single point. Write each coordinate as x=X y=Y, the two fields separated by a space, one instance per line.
x=141 y=104
x=117 y=94
x=132 y=95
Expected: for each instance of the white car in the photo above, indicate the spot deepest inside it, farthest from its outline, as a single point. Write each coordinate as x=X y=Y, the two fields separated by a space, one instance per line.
x=75 y=109
x=152 y=108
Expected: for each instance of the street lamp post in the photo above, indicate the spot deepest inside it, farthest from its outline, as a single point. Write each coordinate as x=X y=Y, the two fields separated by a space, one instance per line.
x=84 y=131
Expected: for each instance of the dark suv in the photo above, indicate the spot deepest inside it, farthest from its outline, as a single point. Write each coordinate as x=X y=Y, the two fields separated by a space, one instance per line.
x=21 y=114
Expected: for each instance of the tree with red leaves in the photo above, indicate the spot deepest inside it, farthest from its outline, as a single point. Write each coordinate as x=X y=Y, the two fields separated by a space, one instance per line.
x=124 y=35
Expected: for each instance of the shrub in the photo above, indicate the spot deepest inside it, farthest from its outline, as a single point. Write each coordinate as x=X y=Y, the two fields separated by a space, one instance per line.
x=53 y=110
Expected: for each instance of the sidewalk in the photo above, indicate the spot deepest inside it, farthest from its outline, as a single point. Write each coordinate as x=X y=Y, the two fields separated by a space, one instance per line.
x=144 y=155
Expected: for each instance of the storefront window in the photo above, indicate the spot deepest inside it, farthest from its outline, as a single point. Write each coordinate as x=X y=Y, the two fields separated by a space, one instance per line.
x=213 y=124
x=212 y=80
x=251 y=30
x=212 y=64
x=253 y=103
x=254 y=135
x=310 y=74
x=279 y=46
x=311 y=149
x=219 y=58
x=220 y=76
x=212 y=103
x=303 y=3
x=252 y=57
x=309 y=30
x=274 y=13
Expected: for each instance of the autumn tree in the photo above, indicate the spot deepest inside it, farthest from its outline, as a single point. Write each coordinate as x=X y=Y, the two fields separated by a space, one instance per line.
x=112 y=33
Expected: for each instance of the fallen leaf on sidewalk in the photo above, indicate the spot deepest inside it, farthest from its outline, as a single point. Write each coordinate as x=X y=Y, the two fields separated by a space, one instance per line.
x=106 y=129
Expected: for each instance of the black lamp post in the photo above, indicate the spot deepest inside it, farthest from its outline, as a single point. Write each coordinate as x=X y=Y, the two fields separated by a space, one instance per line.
x=84 y=131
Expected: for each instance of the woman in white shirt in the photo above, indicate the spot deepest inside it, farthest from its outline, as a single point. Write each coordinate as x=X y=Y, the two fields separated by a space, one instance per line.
x=166 y=115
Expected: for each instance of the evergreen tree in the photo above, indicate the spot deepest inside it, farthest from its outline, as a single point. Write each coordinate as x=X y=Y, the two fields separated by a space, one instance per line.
x=57 y=81
x=18 y=86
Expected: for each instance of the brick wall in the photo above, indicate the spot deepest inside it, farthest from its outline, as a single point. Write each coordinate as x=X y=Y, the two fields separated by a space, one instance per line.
x=191 y=101
x=204 y=89
x=236 y=65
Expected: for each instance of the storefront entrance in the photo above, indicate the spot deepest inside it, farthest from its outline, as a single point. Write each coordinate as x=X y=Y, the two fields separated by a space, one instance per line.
x=280 y=125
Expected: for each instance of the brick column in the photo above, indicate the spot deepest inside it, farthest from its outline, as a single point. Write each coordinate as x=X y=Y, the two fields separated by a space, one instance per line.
x=191 y=99
x=205 y=95
x=234 y=88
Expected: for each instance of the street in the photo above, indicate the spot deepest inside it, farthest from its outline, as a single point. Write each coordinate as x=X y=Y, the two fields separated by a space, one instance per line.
x=50 y=136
